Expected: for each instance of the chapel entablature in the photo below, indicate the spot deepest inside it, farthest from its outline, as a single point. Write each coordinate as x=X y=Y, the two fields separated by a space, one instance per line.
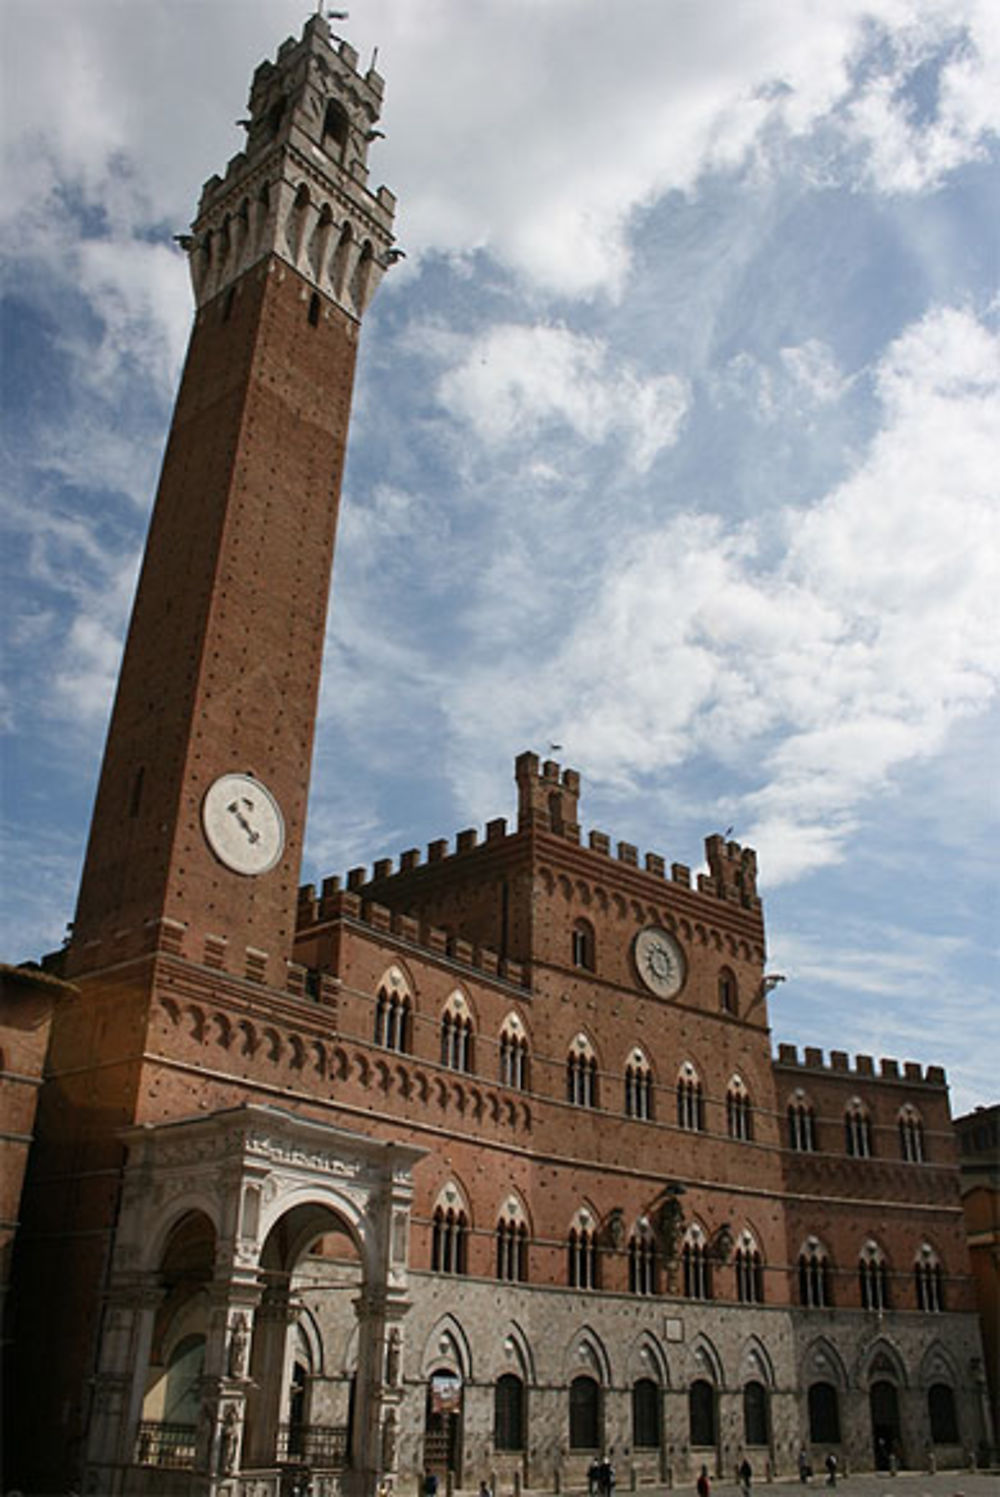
x=840 y=1065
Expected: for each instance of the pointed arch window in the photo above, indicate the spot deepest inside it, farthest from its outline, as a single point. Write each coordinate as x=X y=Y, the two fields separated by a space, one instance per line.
x=756 y=1414
x=508 y=1413
x=585 y=1414
x=942 y=1414
x=696 y=1261
x=749 y=1269
x=801 y=1124
x=647 y=1424
x=857 y=1130
x=393 y=1014
x=929 y=1279
x=642 y=1260
x=638 y=1086
x=701 y=1413
x=583 y=945
x=815 y=1284
x=450 y=1233
x=581 y=1073
x=739 y=1111
x=582 y=1259
x=873 y=1278
x=824 y=1414
x=512 y=1243
x=456 y=1034
x=690 y=1100
x=513 y=1053
x=911 y=1135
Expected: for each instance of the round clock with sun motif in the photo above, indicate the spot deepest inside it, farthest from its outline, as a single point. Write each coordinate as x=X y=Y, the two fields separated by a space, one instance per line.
x=659 y=961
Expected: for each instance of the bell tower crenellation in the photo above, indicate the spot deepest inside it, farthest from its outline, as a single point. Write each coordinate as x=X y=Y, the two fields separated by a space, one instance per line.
x=300 y=190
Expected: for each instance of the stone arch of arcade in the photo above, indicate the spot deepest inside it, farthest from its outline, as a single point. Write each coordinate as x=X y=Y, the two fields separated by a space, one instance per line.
x=208 y=1351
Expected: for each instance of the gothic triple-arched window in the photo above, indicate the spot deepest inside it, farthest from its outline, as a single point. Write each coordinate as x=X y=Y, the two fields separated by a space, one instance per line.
x=815 y=1284
x=690 y=1100
x=857 y=1130
x=873 y=1277
x=581 y=1073
x=638 y=1086
x=512 y=1242
x=696 y=1260
x=456 y=1034
x=642 y=1260
x=393 y=1014
x=911 y=1135
x=450 y=1233
x=749 y=1269
x=582 y=1261
x=929 y=1278
x=513 y=1054
x=739 y=1111
x=801 y=1124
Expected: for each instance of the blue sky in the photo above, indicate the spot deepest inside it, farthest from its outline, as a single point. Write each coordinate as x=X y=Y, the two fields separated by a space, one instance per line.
x=676 y=442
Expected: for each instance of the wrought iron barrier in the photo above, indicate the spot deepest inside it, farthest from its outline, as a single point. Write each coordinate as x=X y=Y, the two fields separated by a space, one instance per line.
x=323 y=1445
x=158 y=1444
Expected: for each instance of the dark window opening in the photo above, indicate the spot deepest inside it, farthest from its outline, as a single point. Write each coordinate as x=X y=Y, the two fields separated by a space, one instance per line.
x=943 y=1416
x=584 y=1414
x=756 y=1420
x=646 y=1421
x=508 y=1413
x=824 y=1414
x=701 y=1413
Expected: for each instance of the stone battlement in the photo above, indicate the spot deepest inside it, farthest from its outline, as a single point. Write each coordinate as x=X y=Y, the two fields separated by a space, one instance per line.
x=864 y=1066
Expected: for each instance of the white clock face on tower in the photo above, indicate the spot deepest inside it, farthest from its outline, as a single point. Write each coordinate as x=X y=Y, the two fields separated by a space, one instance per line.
x=243 y=824
x=659 y=961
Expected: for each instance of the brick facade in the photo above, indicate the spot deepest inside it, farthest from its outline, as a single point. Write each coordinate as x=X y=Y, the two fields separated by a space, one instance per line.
x=481 y=1162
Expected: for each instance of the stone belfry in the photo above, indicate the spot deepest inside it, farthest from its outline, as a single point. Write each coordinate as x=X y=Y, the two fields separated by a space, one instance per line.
x=197 y=832
x=190 y=883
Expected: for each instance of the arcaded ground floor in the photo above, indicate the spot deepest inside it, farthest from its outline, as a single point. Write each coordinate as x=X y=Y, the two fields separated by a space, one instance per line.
x=265 y=1337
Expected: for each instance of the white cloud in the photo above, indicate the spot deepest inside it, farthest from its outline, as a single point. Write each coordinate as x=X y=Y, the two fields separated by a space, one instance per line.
x=515 y=381
x=813 y=370
x=818 y=673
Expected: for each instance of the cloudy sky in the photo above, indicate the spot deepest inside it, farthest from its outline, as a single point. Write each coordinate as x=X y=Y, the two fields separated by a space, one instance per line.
x=676 y=443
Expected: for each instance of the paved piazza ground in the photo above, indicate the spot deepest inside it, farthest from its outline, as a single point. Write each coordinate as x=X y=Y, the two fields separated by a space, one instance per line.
x=905 y=1484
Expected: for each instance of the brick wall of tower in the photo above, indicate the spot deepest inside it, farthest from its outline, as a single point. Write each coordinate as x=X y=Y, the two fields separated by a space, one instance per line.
x=222 y=666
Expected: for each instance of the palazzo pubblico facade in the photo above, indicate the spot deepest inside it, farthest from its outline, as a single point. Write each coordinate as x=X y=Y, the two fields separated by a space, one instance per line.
x=479 y=1162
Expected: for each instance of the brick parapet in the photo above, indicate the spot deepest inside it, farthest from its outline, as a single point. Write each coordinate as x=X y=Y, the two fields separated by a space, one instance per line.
x=347 y=907
x=839 y=1067
x=594 y=862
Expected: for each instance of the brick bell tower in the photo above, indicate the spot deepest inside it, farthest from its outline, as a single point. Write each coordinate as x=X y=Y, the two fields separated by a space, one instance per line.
x=191 y=875
x=196 y=840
